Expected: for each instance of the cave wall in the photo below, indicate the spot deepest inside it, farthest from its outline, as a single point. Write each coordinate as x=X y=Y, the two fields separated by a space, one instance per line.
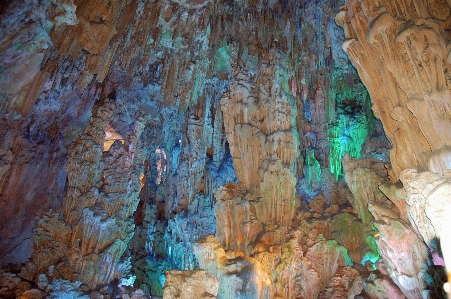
x=401 y=51
x=232 y=136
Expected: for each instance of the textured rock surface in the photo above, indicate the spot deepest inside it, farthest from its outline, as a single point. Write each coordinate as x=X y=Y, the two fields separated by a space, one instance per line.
x=427 y=195
x=282 y=271
x=239 y=276
x=51 y=285
x=403 y=48
x=259 y=121
x=405 y=256
x=382 y=287
x=190 y=285
x=401 y=51
x=142 y=138
x=102 y=194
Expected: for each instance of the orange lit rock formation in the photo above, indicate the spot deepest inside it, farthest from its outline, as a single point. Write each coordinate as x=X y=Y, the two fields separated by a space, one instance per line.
x=401 y=51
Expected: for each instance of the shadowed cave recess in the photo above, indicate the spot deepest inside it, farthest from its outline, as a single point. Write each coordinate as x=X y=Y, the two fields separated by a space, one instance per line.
x=231 y=149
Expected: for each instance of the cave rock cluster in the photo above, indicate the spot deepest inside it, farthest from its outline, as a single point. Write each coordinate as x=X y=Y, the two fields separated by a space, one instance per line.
x=225 y=149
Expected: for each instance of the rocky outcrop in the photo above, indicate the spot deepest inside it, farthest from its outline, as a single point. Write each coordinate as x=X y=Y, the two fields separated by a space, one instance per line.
x=427 y=196
x=364 y=178
x=405 y=51
x=101 y=198
x=343 y=284
x=400 y=50
x=50 y=285
x=205 y=140
x=190 y=285
x=259 y=123
x=280 y=271
x=404 y=254
x=239 y=276
x=382 y=287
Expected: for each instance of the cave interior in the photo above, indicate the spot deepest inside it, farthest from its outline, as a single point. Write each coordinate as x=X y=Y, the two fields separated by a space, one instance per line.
x=230 y=149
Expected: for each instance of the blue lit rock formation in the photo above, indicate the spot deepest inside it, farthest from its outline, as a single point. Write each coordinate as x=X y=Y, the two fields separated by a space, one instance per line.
x=224 y=149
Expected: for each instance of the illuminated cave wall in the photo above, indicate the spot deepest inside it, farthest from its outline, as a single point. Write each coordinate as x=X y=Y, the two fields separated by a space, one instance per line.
x=233 y=137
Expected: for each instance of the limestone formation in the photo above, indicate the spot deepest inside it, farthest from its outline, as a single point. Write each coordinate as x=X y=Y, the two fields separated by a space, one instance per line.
x=427 y=196
x=190 y=285
x=401 y=53
x=382 y=287
x=258 y=120
x=405 y=255
x=239 y=276
x=400 y=50
x=223 y=149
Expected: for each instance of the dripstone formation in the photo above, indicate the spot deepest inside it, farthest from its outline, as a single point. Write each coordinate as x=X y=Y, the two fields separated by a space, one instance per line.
x=224 y=149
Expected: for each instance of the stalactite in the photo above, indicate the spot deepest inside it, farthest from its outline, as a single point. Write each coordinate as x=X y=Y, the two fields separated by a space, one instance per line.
x=232 y=136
